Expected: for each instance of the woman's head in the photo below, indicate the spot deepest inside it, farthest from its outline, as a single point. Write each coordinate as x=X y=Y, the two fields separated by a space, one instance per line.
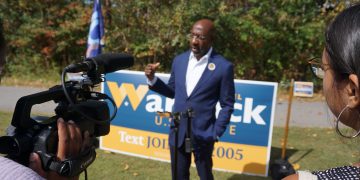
x=342 y=57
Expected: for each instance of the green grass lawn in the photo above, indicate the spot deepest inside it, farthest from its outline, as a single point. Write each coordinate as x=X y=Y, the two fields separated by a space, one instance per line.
x=310 y=148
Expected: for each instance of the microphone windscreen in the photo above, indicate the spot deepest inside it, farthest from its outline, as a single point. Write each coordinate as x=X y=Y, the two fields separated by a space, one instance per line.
x=114 y=61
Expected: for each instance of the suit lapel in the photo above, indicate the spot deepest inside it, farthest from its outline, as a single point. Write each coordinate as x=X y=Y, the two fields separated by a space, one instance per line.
x=183 y=71
x=205 y=76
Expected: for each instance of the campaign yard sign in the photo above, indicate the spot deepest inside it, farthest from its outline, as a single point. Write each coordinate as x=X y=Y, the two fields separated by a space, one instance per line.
x=303 y=89
x=138 y=130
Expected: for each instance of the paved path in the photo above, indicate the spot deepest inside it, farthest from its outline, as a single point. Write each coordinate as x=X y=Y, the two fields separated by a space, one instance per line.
x=10 y=95
x=303 y=114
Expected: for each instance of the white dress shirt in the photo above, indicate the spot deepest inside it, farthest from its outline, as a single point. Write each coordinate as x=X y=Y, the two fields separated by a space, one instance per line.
x=194 y=71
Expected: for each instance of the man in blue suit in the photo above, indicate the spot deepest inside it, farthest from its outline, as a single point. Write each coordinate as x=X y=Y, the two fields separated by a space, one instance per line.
x=199 y=79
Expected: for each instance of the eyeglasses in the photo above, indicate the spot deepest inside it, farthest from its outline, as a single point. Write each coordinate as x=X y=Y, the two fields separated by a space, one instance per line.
x=197 y=37
x=317 y=67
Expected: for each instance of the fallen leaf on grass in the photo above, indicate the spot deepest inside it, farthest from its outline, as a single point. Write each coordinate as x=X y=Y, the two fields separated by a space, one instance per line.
x=296 y=166
x=126 y=167
x=107 y=152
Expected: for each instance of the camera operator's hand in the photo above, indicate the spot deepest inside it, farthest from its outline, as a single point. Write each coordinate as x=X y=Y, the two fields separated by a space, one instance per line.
x=150 y=70
x=70 y=144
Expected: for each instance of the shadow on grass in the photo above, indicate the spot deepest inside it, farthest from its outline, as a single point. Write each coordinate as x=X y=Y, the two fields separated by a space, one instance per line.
x=275 y=154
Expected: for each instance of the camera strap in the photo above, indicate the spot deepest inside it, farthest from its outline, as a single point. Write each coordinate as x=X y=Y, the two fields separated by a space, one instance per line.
x=73 y=166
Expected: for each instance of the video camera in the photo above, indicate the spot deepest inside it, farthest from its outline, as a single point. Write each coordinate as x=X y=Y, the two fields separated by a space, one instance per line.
x=75 y=101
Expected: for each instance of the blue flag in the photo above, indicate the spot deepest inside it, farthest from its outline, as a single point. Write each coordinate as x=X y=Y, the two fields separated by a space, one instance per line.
x=96 y=32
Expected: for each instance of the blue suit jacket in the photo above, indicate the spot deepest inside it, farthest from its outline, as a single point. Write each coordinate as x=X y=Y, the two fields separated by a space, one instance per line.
x=214 y=85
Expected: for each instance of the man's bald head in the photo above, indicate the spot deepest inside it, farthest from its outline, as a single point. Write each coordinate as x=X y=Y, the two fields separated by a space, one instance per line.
x=208 y=27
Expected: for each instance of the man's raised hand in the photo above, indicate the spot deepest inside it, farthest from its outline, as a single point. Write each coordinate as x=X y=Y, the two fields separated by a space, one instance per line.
x=150 y=70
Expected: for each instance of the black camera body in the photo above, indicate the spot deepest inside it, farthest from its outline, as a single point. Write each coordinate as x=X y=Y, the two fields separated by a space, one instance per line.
x=75 y=101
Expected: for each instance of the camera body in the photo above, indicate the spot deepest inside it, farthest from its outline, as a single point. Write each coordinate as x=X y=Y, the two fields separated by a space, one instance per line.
x=75 y=101
x=39 y=134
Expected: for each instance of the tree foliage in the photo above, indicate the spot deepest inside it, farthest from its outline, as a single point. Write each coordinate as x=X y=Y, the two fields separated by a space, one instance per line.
x=43 y=35
x=266 y=40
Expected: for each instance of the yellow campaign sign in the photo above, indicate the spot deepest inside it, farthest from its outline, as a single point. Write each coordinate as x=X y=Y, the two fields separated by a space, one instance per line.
x=240 y=158
x=148 y=144
x=226 y=156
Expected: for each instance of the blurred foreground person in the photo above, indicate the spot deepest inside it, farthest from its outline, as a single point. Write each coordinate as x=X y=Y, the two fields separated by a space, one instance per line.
x=339 y=68
x=70 y=143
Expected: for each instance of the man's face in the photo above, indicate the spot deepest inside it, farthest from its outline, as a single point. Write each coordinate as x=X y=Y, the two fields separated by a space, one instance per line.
x=200 y=40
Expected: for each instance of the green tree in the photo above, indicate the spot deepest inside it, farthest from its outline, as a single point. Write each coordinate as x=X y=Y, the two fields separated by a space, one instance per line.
x=266 y=40
x=43 y=35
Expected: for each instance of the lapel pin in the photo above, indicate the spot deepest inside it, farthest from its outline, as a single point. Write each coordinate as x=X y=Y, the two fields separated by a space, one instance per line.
x=211 y=66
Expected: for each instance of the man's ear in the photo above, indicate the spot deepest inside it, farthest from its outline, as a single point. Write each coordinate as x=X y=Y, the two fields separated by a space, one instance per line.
x=353 y=91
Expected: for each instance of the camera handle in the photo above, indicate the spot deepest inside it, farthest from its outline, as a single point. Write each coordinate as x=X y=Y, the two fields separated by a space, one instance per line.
x=69 y=167
x=73 y=166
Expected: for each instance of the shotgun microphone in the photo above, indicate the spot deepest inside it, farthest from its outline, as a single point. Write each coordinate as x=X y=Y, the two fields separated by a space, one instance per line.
x=103 y=63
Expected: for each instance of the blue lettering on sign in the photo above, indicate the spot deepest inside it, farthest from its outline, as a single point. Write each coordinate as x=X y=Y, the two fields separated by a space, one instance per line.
x=137 y=107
